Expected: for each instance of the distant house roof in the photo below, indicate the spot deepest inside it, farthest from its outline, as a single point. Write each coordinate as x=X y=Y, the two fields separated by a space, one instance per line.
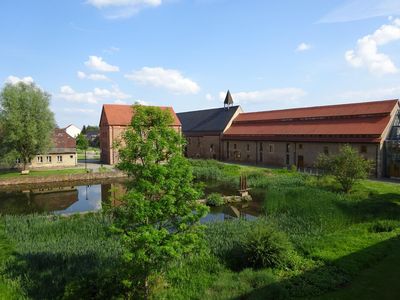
x=364 y=122
x=62 y=142
x=121 y=115
x=209 y=120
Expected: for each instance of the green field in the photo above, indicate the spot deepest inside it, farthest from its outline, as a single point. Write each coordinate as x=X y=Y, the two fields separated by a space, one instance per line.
x=33 y=173
x=331 y=246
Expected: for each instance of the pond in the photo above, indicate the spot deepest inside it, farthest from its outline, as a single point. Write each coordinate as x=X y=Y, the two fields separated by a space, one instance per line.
x=80 y=197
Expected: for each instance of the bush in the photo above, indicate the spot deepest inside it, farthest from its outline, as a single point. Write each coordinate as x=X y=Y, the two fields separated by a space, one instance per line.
x=383 y=226
x=243 y=244
x=265 y=247
x=215 y=199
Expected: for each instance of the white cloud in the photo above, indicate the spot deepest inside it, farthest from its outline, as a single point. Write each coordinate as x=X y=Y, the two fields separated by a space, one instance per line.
x=362 y=9
x=111 y=50
x=69 y=94
x=268 y=95
x=14 y=79
x=209 y=97
x=79 y=110
x=170 y=79
x=367 y=54
x=303 y=47
x=95 y=77
x=116 y=9
x=98 y=64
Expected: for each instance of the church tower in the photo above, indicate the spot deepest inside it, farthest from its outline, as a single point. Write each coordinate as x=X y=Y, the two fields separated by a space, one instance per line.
x=228 y=100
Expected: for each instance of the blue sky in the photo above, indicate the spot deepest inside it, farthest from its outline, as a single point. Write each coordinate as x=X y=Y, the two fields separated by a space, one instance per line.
x=187 y=53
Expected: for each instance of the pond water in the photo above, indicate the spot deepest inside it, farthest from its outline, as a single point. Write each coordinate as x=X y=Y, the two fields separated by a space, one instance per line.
x=79 y=197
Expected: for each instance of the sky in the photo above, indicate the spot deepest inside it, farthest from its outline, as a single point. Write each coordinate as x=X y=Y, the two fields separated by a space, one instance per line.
x=188 y=53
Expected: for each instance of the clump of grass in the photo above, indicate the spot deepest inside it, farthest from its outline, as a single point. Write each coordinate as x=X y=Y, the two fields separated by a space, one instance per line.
x=384 y=226
x=215 y=199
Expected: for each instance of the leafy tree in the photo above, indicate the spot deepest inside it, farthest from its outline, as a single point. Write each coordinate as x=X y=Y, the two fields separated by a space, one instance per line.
x=83 y=131
x=158 y=217
x=27 y=121
x=82 y=144
x=347 y=166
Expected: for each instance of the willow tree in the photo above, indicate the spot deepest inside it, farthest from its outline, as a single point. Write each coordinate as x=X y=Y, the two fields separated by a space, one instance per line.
x=26 y=120
x=158 y=219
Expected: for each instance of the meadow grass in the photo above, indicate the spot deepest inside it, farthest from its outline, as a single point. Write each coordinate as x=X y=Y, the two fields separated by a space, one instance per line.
x=35 y=173
x=57 y=257
x=336 y=239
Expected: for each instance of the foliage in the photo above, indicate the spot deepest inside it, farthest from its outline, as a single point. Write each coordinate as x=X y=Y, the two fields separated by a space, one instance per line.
x=384 y=226
x=81 y=142
x=265 y=247
x=215 y=199
x=158 y=218
x=347 y=166
x=77 y=255
x=242 y=244
x=27 y=121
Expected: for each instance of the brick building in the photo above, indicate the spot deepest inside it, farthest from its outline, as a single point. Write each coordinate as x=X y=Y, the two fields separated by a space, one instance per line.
x=203 y=129
x=113 y=122
x=297 y=136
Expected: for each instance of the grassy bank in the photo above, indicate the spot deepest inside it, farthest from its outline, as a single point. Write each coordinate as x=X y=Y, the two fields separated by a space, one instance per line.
x=36 y=173
x=324 y=244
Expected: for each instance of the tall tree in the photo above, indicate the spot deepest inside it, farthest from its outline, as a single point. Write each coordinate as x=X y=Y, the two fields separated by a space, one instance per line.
x=27 y=120
x=82 y=143
x=159 y=216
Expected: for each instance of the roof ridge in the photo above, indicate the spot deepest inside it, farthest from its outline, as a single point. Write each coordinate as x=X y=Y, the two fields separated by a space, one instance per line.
x=319 y=106
x=208 y=109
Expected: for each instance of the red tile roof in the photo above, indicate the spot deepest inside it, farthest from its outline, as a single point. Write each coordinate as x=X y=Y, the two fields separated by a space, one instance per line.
x=348 y=122
x=121 y=115
x=62 y=141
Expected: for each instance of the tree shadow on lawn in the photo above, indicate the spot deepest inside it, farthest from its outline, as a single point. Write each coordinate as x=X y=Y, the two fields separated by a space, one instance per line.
x=330 y=276
x=55 y=276
x=375 y=207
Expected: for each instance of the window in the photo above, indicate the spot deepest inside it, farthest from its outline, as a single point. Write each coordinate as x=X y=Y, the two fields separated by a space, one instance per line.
x=248 y=156
x=300 y=146
x=271 y=148
x=248 y=147
x=48 y=159
x=59 y=158
x=363 y=149
x=227 y=149
x=211 y=147
x=40 y=159
x=71 y=156
x=287 y=159
x=288 y=147
x=326 y=150
x=234 y=146
x=261 y=156
x=261 y=146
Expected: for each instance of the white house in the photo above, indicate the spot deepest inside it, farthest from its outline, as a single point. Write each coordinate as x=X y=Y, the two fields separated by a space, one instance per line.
x=72 y=130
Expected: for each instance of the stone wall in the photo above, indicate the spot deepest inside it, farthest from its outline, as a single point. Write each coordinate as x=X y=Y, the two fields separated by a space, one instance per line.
x=207 y=147
x=301 y=154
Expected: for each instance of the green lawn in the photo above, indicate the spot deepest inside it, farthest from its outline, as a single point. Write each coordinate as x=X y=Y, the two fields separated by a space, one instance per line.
x=342 y=246
x=13 y=174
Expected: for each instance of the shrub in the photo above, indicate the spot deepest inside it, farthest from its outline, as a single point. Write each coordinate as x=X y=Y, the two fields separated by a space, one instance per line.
x=215 y=199
x=242 y=244
x=383 y=226
x=265 y=247
x=347 y=167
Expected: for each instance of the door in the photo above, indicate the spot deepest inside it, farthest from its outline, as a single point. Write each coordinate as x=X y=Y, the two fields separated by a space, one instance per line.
x=300 y=161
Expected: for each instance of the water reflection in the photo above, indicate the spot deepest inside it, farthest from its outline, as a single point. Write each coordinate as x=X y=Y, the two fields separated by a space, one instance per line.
x=90 y=198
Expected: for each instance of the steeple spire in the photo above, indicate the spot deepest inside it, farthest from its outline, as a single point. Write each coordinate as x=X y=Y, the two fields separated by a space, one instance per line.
x=228 y=100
